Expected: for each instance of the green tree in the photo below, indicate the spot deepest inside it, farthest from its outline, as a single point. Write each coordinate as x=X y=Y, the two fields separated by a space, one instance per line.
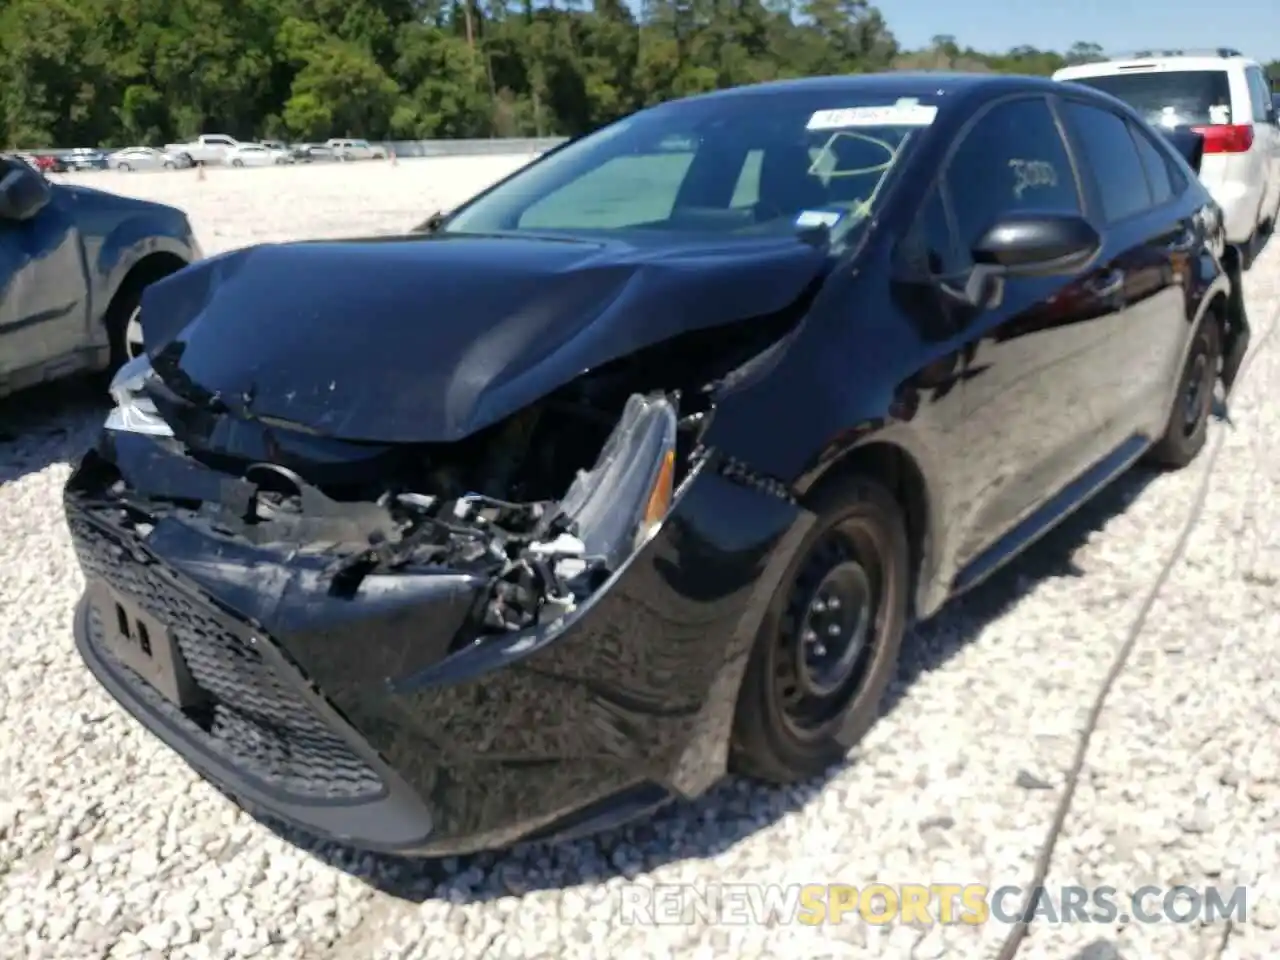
x=111 y=72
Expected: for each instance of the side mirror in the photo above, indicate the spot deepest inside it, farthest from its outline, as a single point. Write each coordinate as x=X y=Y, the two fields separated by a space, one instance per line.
x=1037 y=245
x=433 y=223
x=23 y=191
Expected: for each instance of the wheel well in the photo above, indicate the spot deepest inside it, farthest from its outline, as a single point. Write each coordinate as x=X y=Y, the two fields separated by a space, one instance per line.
x=901 y=475
x=152 y=267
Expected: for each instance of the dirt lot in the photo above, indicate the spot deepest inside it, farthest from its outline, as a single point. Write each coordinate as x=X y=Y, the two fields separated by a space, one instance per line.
x=234 y=208
x=110 y=846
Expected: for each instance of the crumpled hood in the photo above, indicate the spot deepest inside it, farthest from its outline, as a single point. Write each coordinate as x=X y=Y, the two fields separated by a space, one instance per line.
x=431 y=339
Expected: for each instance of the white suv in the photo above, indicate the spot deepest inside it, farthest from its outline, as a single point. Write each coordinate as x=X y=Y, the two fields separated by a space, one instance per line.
x=356 y=150
x=1226 y=98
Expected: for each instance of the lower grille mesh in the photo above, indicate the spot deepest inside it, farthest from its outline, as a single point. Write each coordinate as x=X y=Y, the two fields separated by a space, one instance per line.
x=258 y=721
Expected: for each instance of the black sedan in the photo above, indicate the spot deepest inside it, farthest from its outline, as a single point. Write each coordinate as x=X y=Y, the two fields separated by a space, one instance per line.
x=635 y=468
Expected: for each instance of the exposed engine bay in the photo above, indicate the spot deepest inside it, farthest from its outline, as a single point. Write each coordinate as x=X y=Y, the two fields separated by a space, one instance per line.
x=546 y=504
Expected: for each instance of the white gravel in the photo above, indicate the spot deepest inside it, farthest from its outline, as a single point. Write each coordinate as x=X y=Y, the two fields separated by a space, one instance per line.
x=110 y=846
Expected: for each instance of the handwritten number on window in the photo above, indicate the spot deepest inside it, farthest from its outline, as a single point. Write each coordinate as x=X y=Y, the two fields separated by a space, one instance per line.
x=1029 y=174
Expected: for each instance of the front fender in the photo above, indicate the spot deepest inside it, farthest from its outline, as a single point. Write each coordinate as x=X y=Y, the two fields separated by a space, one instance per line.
x=122 y=248
x=134 y=239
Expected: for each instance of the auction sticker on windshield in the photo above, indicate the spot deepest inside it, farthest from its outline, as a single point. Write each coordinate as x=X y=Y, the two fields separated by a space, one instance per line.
x=904 y=113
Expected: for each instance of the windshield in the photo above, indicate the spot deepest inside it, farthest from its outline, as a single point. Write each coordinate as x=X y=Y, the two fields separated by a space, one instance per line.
x=739 y=166
x=1171 y=98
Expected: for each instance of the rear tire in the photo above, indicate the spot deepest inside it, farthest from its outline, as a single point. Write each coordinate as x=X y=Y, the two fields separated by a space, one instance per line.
x=1188 y=423
x=123 y=167
x=237 y=163
x=828 y=644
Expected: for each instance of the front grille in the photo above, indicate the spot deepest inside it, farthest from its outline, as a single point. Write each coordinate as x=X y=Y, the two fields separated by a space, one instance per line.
x=257 y=721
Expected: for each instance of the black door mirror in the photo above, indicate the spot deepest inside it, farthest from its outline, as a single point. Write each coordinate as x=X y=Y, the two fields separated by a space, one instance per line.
x=1037 y=244
x=23 y=190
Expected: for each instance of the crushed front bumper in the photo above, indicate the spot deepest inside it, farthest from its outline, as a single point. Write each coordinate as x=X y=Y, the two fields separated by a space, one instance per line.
x=351 y=718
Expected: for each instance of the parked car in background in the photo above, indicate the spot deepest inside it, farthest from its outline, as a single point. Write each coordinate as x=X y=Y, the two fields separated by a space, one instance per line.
x=640 y=462
x=210 y=148
x=73 y=265
x=355 y=150
x=1225 y=97
x=255 y=155
x=85 y=158
x=312 y=152
x=50 y=163
x=144 y=158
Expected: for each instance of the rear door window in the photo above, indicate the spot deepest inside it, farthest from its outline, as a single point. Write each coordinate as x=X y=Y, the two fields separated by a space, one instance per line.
x=1171 y=97
x=1112 y=159
x=1160 y=169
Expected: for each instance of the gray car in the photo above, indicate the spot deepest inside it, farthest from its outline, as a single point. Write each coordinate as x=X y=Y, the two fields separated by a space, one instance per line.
x=145 y=158
x=73 y=265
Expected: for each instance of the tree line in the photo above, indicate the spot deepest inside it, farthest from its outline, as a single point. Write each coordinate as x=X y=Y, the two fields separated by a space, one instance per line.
x=123 y=72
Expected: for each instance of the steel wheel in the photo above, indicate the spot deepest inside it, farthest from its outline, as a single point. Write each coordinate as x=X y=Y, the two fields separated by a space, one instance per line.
x=1188 y=423
x=827 y=636
x=828 y=645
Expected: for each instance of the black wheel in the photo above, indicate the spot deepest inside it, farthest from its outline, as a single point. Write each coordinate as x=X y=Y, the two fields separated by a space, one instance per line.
x=237 y=163
x=124 y=168
x=828 y=644
x=1188 y=424
x=169 y=165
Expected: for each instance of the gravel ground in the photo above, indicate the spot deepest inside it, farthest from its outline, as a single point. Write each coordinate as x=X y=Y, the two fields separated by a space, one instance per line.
x=111 y=847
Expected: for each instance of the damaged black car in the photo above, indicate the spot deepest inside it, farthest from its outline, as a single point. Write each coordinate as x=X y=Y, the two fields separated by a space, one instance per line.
x=634 y=469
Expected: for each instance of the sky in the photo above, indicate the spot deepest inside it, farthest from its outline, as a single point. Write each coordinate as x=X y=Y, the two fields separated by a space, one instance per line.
x=1250 y=26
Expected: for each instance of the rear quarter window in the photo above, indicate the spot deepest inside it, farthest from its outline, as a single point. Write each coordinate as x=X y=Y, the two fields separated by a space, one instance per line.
x=1171 y=97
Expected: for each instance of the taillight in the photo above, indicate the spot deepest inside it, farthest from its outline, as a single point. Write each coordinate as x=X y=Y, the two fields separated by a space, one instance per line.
x=1226 y=138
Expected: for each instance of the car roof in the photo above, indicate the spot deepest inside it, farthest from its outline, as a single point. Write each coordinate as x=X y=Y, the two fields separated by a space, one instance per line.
x=904 y=83
x=1153 y=64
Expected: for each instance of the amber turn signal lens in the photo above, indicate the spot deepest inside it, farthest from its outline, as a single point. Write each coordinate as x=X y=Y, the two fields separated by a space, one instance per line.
x=660 y=497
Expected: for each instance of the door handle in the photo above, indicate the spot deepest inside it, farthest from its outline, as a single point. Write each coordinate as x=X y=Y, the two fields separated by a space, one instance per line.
x=1107 y=285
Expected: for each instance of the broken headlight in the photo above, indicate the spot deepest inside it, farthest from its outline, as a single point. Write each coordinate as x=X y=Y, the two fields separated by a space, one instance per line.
x=619 y=503
x=134 y=412
x=613 y=510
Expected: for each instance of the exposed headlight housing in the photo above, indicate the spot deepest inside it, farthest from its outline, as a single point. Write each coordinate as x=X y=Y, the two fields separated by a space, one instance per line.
x=620 y=503
x=134 y=412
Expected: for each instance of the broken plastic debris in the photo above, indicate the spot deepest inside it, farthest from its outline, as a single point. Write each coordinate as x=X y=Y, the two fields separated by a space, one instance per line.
x=563 y=545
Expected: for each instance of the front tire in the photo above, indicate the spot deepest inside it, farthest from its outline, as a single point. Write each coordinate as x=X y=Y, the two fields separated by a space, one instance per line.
x=237 y=163
x=1188 y=423
x=124 y=168
x=828 y=644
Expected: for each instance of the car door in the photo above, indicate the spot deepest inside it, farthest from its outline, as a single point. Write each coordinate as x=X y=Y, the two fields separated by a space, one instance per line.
x=43 y=286
x=1031 y=417
x=1146 y=241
